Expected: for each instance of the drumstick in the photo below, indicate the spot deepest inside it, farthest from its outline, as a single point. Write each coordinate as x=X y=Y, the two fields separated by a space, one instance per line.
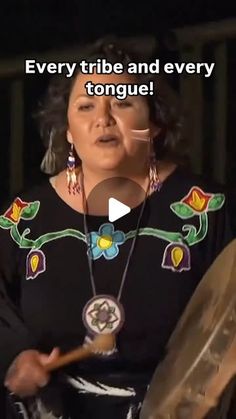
x=101 y=344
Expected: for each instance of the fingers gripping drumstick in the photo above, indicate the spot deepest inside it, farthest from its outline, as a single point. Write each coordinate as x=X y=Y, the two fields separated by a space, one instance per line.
x=100 y=345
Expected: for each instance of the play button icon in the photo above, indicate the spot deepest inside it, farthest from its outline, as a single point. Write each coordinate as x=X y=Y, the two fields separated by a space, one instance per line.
x=116 y=209
x=115 y=197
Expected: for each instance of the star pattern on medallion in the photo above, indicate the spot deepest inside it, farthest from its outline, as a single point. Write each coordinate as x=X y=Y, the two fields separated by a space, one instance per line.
x=103 y=315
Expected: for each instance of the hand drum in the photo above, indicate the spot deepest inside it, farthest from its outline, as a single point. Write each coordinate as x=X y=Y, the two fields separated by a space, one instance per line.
x=201 y=357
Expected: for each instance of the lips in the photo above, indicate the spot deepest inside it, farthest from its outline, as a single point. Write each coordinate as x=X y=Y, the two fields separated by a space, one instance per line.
x=107 y=139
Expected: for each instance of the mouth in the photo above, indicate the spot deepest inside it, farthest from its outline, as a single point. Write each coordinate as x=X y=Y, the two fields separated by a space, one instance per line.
x=109 y=140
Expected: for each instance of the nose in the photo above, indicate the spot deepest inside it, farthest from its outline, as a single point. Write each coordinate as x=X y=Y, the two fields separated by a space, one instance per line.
x=104 y=116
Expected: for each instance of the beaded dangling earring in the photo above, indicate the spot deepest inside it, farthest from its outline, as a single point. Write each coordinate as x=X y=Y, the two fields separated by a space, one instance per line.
x=155 y=183
x=72 y=176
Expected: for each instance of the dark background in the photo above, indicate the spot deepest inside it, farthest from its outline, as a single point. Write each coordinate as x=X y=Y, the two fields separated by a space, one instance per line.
x=28 y=27
x=38 y=25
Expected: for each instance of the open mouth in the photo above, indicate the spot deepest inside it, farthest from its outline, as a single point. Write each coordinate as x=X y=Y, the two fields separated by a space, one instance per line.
x=108 y=139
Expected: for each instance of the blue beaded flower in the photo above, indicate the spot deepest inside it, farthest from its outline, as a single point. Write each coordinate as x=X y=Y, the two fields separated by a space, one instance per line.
x=105 y=242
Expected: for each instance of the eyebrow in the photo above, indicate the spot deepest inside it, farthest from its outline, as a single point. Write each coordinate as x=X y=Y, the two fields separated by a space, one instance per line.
x=84 y=95
x=94 y=97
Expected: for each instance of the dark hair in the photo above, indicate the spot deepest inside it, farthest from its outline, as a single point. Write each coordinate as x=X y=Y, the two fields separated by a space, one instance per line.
x=164 y=107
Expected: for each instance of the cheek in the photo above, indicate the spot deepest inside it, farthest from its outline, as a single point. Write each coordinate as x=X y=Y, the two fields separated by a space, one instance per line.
x=142 y=118
x=79 y=129
x=142 y=122
x=132 y=121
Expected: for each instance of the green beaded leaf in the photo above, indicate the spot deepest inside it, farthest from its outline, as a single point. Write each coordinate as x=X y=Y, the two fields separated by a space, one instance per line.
x=30 y=211
x=216 y=202
x=182 y=210
x=5 y=222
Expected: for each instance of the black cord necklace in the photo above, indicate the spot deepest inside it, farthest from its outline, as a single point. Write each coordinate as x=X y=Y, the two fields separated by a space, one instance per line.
x=105 y=313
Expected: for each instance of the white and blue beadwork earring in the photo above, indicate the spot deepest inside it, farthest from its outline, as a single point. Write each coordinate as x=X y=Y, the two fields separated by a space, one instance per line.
x=72 y=176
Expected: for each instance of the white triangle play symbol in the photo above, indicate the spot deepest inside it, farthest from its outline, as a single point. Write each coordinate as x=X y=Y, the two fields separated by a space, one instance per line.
x=116 y=209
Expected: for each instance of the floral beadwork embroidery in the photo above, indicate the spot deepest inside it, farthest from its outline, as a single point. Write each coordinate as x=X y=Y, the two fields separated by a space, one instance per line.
x=19 y=209
x=195 y=203
x=13 y=214
x=106 y=241
x=36 y=259
x=176 y=257
x=197 y=200
x=35 y=264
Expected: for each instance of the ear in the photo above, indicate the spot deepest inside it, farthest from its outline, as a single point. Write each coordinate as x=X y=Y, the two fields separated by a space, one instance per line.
x=69 y=137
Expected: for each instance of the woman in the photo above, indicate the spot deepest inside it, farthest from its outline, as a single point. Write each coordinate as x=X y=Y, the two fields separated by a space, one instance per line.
x=68 y=273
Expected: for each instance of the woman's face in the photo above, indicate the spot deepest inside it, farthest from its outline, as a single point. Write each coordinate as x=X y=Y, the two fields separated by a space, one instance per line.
x=99 y=126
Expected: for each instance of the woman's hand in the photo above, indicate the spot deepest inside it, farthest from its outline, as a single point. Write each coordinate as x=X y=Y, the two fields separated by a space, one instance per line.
x=27 y=373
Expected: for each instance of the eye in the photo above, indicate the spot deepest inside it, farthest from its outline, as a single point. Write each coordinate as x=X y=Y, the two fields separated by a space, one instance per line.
x=123 y=103
x=85 y=107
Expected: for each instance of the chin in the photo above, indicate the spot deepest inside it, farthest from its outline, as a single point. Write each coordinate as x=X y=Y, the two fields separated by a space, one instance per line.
x=110 y=166
x=111 y=163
